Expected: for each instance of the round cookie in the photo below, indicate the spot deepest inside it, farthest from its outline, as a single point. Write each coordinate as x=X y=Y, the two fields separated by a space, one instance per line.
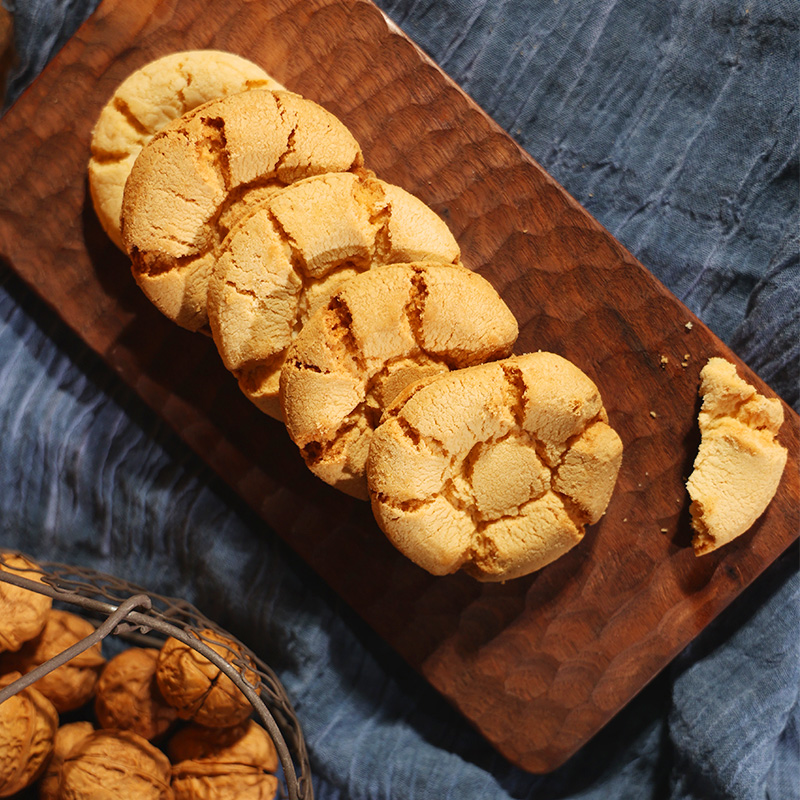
x=202 y=172
x=495 y=469
x=287 y=258
x=148 y=100
x=381 y=331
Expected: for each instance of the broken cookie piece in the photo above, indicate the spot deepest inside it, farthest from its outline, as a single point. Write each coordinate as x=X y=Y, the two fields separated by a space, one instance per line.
x=201 y=173
x=739 y=462
x=495 y=469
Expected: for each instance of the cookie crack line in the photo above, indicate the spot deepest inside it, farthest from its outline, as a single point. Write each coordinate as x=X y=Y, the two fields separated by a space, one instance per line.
x=124 y=109
x=368 y=192
x=302 y=365
x=414 y=311
x=252 y=294
x=479 y=520
x=152 y=266
x=296 y=259
x=415 y=307
x=330 y=441
x=217 y=145
x=413 y=504
x=382 y=243
x=384 y=371
x=559 y=462
x=188 y=199
x=233 y=200
x=242 y=291
x=109 y=156
x=290 y=139
x=516 y=381
x=482 y=551
x=315 y=451
x=343 y=325
x=383 y=236
x=417 y=438
x=450 y=493
x=181 y=91
x=576 y=514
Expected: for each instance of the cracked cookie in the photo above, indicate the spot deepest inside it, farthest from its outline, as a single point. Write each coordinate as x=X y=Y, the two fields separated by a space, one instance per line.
x=144 y=103
x=205 y=170
x=493 y=469
x=381 y=331
x=739 y=462
x=288 y=257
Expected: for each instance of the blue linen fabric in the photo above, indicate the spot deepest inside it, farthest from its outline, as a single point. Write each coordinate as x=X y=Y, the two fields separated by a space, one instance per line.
x=676 y=125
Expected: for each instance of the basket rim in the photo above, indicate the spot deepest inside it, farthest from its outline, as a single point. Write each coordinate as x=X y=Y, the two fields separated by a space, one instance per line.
x=138 y=612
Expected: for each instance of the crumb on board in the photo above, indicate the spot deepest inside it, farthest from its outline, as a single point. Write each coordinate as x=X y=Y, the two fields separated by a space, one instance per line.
x=653 y=414
x=664 y=530
x=664 y=362
x=688 y=326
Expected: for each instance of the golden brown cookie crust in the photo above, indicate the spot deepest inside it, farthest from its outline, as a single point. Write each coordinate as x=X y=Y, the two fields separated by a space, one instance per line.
x=146 y=102
x=191 y=181
x=739 y=462
x=494 y=469
x=285 y=260
x=383 y=330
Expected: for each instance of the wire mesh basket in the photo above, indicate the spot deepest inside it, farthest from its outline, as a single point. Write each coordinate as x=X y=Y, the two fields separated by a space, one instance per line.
x=120 y=608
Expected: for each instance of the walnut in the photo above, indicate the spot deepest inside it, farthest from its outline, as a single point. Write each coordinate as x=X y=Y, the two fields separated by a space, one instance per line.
x=22 y=612
x=115 y=765
x=68 y=737
x=28 y=723
x=128 y=697
x=213 y=764
x=71 y=685
x=197 y=688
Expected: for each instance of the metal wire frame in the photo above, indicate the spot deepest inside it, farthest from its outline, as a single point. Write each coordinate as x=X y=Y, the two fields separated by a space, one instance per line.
x=128 y=608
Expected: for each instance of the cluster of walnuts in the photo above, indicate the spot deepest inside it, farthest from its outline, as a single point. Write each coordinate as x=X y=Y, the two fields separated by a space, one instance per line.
x=160 y=724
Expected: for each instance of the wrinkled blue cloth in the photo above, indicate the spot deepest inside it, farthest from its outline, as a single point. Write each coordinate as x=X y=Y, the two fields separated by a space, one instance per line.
x=676 y=125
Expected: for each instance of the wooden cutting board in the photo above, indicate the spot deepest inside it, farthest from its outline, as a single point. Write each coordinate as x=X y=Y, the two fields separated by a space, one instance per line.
x=538 y=664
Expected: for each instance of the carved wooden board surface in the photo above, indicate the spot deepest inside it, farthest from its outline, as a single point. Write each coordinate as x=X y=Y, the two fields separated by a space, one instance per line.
x=538 y=664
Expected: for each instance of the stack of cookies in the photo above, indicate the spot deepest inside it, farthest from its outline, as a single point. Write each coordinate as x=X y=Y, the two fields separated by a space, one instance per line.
x=340 y=304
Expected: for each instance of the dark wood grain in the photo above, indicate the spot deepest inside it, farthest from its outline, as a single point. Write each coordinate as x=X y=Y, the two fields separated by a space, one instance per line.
x=6 y=48
x=538 y=664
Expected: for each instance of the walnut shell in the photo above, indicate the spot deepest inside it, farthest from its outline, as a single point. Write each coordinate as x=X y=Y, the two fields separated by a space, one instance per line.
x=111 y=765
x=212 y=764
x=23 y=613
x=197 y=688
x=71 y=685
x=28 y=723
x=127 y=695
x=68 y=737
